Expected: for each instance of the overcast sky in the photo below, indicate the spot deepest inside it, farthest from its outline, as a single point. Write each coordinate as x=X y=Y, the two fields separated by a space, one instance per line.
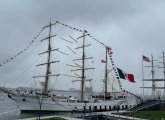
x=131 y=27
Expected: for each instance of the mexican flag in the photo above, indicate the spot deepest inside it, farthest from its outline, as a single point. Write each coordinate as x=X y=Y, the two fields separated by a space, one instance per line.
x=124 y=75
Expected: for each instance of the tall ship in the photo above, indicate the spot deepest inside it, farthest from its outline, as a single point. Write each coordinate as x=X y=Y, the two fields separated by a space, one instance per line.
x=156 y=80
x=47 y=101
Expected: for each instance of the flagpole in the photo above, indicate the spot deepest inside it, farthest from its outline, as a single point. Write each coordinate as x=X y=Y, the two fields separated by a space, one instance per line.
x=143 y=76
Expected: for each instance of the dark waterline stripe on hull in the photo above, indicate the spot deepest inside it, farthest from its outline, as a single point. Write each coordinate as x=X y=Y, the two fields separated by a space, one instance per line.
x=42 y=111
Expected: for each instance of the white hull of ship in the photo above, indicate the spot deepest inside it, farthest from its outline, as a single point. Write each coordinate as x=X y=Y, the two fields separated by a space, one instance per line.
x=30 y=104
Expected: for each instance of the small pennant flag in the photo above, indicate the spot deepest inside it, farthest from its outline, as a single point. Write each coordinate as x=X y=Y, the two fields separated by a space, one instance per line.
x=109 y=51
x=103 y=61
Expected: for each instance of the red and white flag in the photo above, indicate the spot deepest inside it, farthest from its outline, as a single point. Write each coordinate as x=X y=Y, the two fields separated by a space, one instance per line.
x=146 y=59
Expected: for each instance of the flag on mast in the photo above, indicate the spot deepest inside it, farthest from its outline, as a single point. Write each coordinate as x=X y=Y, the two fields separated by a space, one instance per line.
x=127 y=76
x=146 y=59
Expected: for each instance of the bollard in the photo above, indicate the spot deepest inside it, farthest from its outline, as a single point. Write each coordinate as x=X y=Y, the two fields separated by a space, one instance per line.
x=109 y=108
x=100 y=108
x=105 y=107
x=126 y=107
x=118 y=107
x=114 y=108
x=84 y=108
x=89 y=108
x=95 y=108
x=122 y=107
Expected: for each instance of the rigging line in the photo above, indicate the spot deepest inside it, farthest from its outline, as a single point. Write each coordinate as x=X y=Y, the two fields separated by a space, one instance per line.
x=89 y=74
x=71 y=50
x=55 y=66
x=81 y=31
x=62 y=52
x=69 y=26
x=23 y=50
x=54 y=84
x=26 y=81
x=113 y=65
x=98 y=75
x=30 y=67
x=73 y=38
x=73 y=28
x=20 y=62
x=66 y=40
x=96 y=40
x=55 y=69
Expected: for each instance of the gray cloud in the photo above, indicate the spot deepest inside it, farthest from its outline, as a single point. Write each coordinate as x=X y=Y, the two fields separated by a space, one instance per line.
x=131 y=28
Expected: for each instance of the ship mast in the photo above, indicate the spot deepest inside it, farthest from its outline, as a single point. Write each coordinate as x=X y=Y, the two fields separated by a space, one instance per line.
x=82 y=68
x=83 y=77
x=164 y=70
x=153 y=76
x=163 y=57
x=48 y=73
x=153 y=79
x=106 y=75
x=45 y=91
